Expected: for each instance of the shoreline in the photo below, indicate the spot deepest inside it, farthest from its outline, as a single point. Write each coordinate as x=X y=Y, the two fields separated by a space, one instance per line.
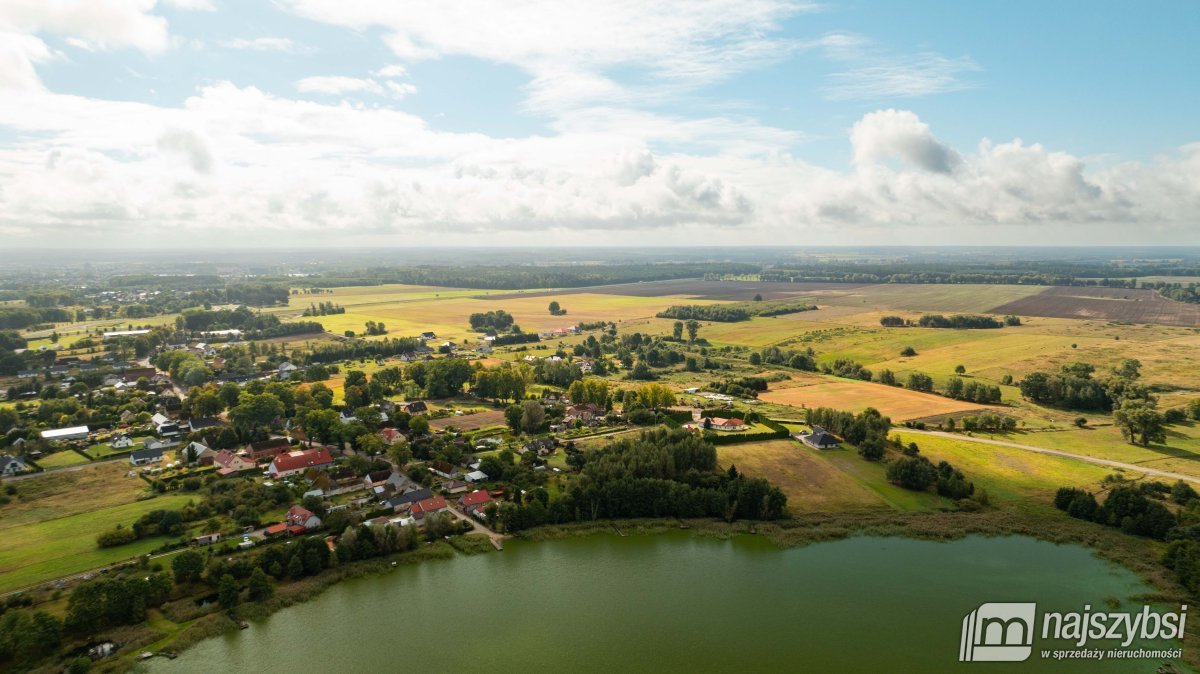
x=1139 y=556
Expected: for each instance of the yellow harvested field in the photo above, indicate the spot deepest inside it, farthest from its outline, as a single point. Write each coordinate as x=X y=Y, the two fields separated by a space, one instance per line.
x=409 y=313
x=898 y=403
x=811 y=483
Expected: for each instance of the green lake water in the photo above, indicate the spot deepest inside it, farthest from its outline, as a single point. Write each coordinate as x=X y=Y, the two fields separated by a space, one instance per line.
x=677 y=602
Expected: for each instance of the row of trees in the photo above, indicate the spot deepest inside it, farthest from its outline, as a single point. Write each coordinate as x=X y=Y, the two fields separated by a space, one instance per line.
x=914 y=471
x=498 y=320
x=732 y=313
x=1127 y=507
x=867 y=430
x=324 y=309
x=662 y=473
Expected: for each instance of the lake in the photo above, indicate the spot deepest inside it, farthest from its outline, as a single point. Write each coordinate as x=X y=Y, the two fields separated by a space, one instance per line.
x=677 y=602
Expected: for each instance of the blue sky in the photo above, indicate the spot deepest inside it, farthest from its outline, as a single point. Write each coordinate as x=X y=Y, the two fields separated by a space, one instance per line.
x=350 y=122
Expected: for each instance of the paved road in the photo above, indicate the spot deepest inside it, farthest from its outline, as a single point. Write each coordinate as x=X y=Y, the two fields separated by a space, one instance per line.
x=1054 y=452
x=480 y=529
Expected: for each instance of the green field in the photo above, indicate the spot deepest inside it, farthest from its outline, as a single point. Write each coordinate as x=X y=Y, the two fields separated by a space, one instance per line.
x=927 y=297
x=40 y=551
x=61 y=459
x=1023 y=479
x=103 y=450
x=1179 y=454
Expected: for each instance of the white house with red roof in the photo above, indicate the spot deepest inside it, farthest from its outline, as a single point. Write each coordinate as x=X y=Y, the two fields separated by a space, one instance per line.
x=294 y=463
x=390 y=435
x=475 y=502
x=428 y=506
x=228 y=463
x=301 y=516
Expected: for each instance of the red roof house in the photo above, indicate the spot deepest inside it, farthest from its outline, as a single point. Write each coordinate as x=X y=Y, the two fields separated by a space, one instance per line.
x=302 y=517
x=428 y=506
x=476 y=499
x=294 y=463
x=390 y=435
x=267 y=449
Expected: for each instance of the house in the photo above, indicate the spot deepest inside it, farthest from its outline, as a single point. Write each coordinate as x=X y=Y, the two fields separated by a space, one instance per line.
x=267 y=449
x=121 y=442
x=228 y=463
x=71 y=433
x=133 y=374
x=170 y=402
x=347 y=416
x=475 y=476
x=818 y=439
x=164 y=427
x=301 y=516
x=286 y=368
x=429 y=506
x=391 y=435
x=275 y=529
x=719 y=424
x=584 y=412
x=162 y=444
x=417 y=407
x=197 y=453
x=294 y=463
x=141 y=457
x=407 y=498
x=207 y=539
x=12 y=465
x=475 y=502
x=541 y=446
x=202 y=423
x=455 y=487
x=443 y=469
x=428 y=335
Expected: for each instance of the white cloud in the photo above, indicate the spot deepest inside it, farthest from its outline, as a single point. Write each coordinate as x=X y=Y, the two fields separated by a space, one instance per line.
x=336 y=84
x=568 y=46
x=391 y=71
x=106 y=24
x=280 y=44
x=189 y=146
x=84 y=24
x=333 y=85
x=903 y=77
x=193 y=5
x=348 y=173
x=18 y=55
x=872 y=72
x=401 y=89
x=899 y=134
x=236 y=164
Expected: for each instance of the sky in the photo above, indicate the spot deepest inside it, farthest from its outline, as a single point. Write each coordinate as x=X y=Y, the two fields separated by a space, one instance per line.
x=350 y=123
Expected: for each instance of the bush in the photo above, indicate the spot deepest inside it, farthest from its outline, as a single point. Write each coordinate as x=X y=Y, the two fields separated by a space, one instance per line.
x=116 y=537
x=912 y=472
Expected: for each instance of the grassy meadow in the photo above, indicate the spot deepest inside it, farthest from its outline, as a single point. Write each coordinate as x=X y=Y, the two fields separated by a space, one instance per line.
x=49 y=528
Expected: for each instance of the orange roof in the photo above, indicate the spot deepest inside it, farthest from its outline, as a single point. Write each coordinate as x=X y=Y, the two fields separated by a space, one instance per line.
x=299 y=460
x=429 y=505
x=477 y=497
